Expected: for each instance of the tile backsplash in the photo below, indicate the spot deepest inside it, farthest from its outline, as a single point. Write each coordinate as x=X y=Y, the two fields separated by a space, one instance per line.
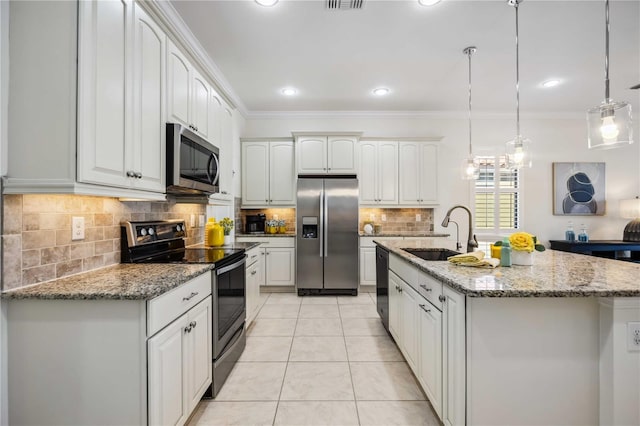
x=398 y=221
x=288 y=215
x=36 y=237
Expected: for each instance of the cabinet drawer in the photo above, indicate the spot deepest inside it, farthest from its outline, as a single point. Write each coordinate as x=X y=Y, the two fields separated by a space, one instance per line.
x=169 y=306
x=253 y=256
x=429 y=288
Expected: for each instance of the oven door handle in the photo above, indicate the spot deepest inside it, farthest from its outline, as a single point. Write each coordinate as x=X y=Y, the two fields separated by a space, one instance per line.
x=231 y=267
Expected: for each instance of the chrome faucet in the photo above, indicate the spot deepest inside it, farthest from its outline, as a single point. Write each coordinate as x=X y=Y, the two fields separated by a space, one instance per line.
x=472 y=243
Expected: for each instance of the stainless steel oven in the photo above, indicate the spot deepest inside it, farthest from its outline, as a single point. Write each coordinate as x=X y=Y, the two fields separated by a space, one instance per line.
x=193 y=164
x=229 y=311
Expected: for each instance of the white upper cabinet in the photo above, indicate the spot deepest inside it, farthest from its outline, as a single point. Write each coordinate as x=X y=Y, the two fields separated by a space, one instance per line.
x=120 y=97
x=268 y=174
x=188 y=93
x=378 y=175
x=312 y=155
x=418 y=173
x=104 y=92
x=149 y=72
x=327 y=155
x=282 y=180
x=342 y=155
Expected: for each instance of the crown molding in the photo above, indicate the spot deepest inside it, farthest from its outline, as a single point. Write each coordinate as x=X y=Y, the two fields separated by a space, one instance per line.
x=442 y=115
x=179 y=31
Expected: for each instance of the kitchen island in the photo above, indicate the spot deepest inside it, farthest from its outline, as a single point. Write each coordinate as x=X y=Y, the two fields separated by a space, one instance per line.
x=541 y=344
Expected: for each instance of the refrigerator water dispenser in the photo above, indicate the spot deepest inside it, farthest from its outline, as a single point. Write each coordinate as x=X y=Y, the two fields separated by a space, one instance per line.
x=310 y=227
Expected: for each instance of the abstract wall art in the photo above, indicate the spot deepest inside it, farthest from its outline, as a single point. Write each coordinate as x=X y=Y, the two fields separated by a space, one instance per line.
x=579 y=189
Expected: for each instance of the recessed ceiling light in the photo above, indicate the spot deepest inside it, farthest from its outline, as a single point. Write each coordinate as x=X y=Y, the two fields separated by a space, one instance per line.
x=381 y=91
x=550 y=83
x=266 y=3
x=289 y=91
x=428 y=2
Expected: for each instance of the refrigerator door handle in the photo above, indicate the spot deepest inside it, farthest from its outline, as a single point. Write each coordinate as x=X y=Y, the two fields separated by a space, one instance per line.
x=325 y=223
x=321 y=230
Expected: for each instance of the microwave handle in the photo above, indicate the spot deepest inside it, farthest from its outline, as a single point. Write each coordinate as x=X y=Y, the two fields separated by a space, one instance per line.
x=213 y=180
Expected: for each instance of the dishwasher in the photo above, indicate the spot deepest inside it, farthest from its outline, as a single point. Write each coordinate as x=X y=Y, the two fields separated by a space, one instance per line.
x=382 y=285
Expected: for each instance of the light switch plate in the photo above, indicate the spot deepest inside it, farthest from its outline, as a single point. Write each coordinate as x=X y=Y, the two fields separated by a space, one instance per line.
x=418 y=217
x=77 y=228
x=192 y=221
x=633 y=344
x=201 y=221
x=384 y=217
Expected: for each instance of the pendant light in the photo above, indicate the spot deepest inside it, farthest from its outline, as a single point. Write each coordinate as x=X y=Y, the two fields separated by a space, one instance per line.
x=517 y=150
x=470 y=167
x=609 y=124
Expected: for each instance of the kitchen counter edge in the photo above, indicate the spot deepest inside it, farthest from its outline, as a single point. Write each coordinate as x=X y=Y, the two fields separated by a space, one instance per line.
x=554 y=274
x=124 y=281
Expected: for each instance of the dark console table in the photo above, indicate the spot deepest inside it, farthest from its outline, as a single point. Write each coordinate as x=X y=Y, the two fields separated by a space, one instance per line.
x=612 y=249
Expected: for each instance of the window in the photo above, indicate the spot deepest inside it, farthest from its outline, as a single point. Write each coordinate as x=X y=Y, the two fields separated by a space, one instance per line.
x=497 y=196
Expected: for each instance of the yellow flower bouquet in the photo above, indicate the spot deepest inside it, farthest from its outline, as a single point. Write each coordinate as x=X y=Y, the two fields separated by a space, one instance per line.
x=523 y=241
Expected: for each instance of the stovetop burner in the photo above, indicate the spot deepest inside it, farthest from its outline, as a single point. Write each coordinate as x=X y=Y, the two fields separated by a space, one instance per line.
x=163 y=242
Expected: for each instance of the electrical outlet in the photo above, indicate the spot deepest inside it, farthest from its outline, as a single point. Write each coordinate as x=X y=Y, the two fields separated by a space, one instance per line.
x=418 y=217
x=77 y=228
x=201 y=221
x=384 y=217
x=192 y=221
x=372 y=217
x=633 y=343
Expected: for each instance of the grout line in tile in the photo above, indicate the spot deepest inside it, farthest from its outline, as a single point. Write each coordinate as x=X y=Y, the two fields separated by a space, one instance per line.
x=353 y=386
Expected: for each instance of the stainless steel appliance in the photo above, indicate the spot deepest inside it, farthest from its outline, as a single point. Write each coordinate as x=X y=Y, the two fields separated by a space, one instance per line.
x=382 y=285
x=193 y=164
x=163 y=242
x=254 y=224
x=327 y=235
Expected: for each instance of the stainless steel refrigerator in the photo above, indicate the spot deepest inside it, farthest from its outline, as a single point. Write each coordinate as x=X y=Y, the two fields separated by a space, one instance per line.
x=327 y=236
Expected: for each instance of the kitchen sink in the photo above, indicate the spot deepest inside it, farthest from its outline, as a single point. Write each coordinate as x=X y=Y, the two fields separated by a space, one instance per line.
x=431 y=253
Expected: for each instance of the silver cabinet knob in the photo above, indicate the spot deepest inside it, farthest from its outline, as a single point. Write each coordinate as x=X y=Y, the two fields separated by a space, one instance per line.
x=138 y=175
x=130 y=174
x=442 y=298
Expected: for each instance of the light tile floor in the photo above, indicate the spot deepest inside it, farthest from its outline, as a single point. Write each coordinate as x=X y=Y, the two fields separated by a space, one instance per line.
x=322 y=360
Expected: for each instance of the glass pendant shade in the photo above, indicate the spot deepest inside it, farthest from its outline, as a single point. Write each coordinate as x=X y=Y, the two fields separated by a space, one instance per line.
x=470 y=168
x=518 y=153
x=610 y=125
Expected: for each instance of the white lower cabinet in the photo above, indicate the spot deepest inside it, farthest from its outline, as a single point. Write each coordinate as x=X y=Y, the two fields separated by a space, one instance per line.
x=278 y=260
x=368 y=266
x=430 y=357
x=179 y=359
x=255 y=279
x=431 y=338
x=280 y=266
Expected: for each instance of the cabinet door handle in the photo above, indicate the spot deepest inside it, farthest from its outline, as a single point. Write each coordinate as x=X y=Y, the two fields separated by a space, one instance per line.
x=399 y=289
x=130 y=174
x=254 y=272
x=193 y=324
x=139 y=175
x=187 y=329
x=191 y=296
x=442 y=298
x=424 y=309
x=254 y=256
x=425 y=287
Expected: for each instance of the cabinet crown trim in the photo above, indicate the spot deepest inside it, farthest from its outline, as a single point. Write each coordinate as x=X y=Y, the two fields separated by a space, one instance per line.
x=320 y=134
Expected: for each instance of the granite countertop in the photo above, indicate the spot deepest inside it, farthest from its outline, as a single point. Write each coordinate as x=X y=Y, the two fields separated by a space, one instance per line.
x=125 y=281
x=554 y=274
x=404 y=234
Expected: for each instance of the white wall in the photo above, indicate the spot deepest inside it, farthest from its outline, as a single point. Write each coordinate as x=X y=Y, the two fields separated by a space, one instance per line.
x=560 y=139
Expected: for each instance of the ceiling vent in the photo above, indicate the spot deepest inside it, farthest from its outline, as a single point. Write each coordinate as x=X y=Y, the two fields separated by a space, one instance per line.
x=344 y=4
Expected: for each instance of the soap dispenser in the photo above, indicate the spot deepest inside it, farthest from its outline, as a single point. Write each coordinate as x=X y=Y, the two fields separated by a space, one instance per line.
x=505 y=253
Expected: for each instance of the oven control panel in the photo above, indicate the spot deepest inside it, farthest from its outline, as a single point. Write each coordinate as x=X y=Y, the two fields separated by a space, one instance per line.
x=139 y=233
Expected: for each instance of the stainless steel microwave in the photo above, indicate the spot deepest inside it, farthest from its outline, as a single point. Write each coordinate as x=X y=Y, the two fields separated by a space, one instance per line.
x=193 y=164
